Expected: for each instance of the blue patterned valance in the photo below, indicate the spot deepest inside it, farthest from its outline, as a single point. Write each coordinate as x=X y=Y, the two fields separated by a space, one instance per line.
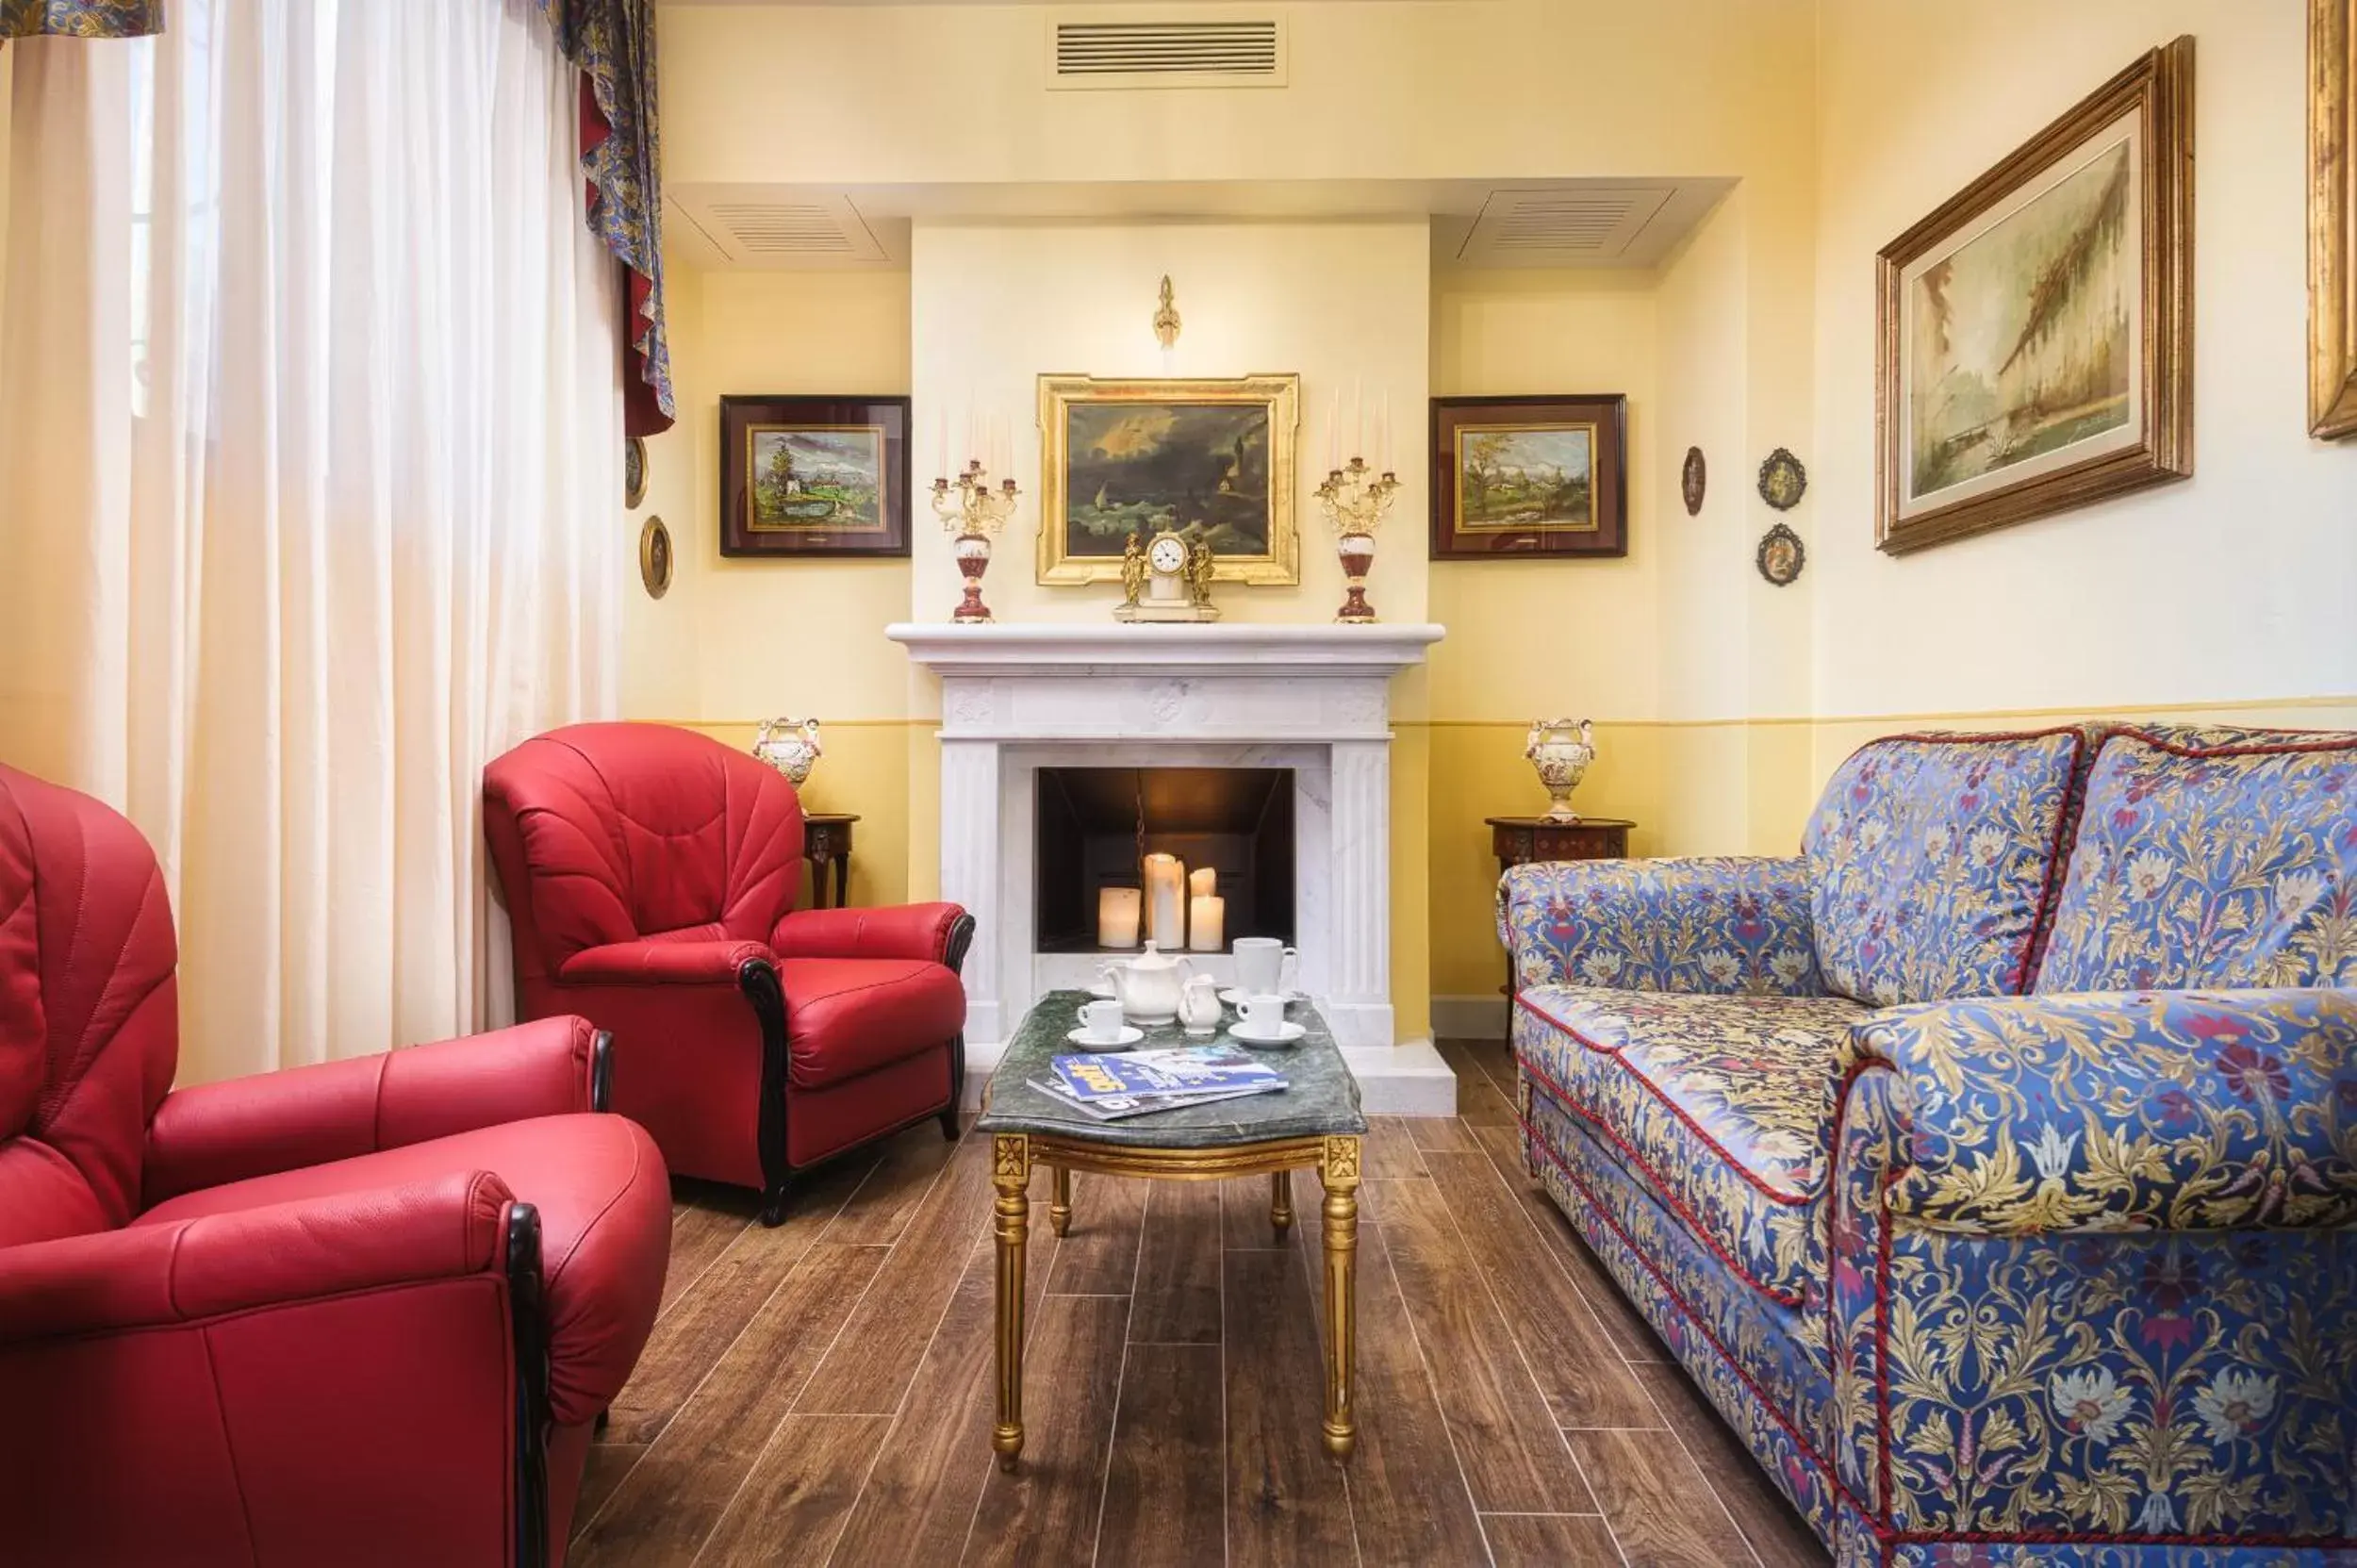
x=612 y=42
x=81 y=18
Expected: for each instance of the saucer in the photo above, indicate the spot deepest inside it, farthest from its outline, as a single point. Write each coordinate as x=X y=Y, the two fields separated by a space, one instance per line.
x=1286 y=1033
x=1235 y=995
x=1129 y=1036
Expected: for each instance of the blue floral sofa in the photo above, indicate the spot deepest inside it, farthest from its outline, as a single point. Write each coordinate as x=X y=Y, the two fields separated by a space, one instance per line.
x=1992 y=1163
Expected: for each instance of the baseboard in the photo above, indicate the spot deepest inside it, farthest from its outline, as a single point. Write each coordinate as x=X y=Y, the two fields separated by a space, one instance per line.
x=1469 y=1017
x=1405 y=1079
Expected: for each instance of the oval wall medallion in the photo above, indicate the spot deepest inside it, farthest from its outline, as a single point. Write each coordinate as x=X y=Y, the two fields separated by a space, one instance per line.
x=1781 y=556
x=633 y=472
x=655 y=557
x=1782 y=480
x=1693 y=479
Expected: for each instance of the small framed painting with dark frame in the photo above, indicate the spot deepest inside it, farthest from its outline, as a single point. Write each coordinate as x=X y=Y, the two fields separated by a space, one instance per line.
x=1524 y=476
x=814 y=477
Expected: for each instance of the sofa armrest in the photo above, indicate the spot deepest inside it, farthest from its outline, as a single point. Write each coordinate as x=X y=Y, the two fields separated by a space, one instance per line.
x=718 y=962
x=2166 y=1110
x=936 y=932
x=1718 y=924
x=157 y=1276
x=271 y=1122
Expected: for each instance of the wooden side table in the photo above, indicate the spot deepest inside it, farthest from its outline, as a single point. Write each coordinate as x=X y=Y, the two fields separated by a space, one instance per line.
x=1516 y=840
x=827 y=842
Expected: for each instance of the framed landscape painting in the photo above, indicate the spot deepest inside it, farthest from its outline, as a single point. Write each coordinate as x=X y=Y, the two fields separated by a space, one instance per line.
x=2332 y=218
x=1529 y=477
x=813 y=476
x=1211 y=460
x=2035 y=333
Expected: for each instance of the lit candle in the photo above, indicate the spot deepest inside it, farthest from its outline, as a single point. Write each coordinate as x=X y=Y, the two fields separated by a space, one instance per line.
x=1117 y=917
x=1207 y=919
x=1202 y=880
x=1165 y=901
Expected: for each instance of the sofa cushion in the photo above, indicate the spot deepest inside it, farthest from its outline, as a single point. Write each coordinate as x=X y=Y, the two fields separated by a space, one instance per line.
x=845 y=1016
x=1723 y=1103
x=2211 y=860
x=1931 y=857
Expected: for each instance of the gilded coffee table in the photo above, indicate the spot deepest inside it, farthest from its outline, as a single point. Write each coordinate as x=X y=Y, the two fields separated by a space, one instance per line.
x=1314 y=1123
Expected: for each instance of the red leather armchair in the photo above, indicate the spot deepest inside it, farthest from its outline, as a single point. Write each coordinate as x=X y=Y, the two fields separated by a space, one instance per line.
x=361 y=1312
x=650 y=874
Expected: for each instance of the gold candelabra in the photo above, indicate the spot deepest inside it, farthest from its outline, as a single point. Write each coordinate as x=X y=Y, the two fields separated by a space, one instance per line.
x=1354 y=498
x=973 y=513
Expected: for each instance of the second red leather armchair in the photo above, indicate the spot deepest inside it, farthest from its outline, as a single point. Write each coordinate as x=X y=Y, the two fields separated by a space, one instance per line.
x=651 y=875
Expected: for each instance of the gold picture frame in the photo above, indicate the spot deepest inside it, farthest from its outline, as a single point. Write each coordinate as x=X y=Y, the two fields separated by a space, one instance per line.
x=1211 y=459
x=2332 y=218
x=2034 y=335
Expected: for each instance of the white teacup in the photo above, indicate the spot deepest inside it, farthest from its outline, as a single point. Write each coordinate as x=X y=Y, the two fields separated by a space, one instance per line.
x=1264 y=1013
x=1263 y=964
x=1101 y=1020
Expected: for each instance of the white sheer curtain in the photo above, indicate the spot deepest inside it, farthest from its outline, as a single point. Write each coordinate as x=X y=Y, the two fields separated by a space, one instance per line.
x=310 y=422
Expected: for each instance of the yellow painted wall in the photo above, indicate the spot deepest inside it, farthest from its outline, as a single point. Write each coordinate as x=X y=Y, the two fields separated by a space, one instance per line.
x=735 y=641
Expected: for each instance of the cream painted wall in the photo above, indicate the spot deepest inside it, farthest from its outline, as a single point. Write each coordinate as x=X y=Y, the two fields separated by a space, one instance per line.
x=1343 y=305
x=2236 y=584
x=8 y=72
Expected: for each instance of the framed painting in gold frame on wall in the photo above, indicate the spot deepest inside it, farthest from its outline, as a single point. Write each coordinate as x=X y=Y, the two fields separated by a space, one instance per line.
x=2034 y=335
x=2332 y=218
x=1209 y=459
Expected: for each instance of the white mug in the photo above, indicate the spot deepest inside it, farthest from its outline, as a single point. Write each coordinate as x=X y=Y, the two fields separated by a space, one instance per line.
x=1102 y=1020
x=1264 y=1014
x=1264 y=965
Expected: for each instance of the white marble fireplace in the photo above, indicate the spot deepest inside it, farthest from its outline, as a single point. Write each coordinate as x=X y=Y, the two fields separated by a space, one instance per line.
x=1314 y=699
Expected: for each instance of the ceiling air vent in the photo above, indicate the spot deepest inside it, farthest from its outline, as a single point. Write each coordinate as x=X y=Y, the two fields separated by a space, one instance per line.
x=1550 y=228
x=753 y=225
x=1201 y=46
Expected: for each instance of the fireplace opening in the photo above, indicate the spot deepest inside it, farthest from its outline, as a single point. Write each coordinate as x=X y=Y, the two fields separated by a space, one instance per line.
x=1097 y=827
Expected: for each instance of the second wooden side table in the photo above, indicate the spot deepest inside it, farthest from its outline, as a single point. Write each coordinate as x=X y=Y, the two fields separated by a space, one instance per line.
x=827 y=842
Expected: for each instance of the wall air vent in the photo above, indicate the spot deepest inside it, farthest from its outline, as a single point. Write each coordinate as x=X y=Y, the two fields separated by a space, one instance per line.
x=1559 y=226
x=1130 y=48
x=775 y=226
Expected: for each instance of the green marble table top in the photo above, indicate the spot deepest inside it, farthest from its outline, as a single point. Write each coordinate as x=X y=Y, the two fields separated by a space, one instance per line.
x=1322 y=1097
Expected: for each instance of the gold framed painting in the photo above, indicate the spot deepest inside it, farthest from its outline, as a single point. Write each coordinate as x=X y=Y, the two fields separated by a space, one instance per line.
x=1213 y=459
x=2332 y=218
x=2034 y=335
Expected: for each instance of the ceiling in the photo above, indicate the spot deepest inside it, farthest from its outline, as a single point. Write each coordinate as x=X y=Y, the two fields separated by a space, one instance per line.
x=1522 y=223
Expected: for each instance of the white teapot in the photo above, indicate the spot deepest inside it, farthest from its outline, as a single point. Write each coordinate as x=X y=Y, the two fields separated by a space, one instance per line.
x=790 y=746
x=1148 y=986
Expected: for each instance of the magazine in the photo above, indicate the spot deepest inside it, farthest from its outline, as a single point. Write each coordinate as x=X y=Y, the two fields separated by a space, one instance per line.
x=1174 y=1071
x=1120 y=1107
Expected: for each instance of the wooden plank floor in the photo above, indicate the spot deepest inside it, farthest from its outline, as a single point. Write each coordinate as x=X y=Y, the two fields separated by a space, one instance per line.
x=822 y=1392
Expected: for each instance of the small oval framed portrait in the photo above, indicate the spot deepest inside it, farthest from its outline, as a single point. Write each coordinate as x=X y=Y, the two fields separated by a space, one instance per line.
x=633 y=472
x=655 y=557
x=1781 y=556
x=1782 y=480
x=1693 y=479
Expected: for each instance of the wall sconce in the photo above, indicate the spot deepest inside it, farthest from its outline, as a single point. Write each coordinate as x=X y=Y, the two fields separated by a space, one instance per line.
x=1166 y=318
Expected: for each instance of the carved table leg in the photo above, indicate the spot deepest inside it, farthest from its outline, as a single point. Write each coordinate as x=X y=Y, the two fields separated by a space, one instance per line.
x=1339 y=1171
x=1060 y=1205
x=1011 y=1173
x=1280 y=1202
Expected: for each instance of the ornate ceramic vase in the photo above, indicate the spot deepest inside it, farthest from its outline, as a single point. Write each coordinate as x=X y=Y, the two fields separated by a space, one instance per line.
x=1560 y=751
x=788 y=745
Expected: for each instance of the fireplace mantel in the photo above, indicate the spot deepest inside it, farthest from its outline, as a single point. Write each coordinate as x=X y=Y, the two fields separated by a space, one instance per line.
x=1314 y=699
x=1220 y=648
